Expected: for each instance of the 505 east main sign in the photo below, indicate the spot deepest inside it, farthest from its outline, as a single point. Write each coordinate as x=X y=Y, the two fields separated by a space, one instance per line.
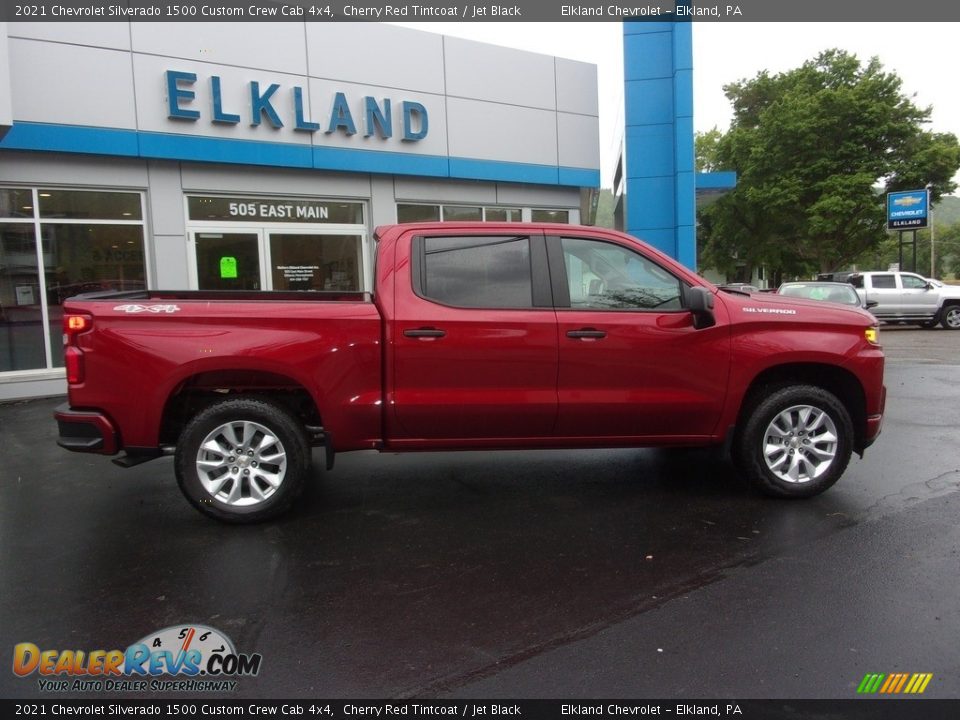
x=381 y=118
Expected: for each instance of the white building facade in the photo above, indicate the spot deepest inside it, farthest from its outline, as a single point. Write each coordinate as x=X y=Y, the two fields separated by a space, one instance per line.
x=248 y=156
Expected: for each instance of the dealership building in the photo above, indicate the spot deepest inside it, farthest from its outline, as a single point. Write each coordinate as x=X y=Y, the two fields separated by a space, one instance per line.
x=262 y=156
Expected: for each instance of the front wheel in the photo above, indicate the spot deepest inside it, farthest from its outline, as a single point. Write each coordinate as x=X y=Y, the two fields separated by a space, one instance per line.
x=796 y=442
x=242 y=460
x=950 y=317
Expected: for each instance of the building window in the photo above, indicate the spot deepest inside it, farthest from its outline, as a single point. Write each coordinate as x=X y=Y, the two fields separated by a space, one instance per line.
x=276 y=243
x=409 y=213
x=274 y=210
x=550 y=216
x=22 y=344
x=495 y=214
x=462 y=213
x=418 y=213
x=303 y=261
x=89 y=240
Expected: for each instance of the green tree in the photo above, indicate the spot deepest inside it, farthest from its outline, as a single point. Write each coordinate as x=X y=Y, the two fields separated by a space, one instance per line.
x=948 y=248
x=706 y=145
x=810 y=146
x=887 y=252
x=605 y=207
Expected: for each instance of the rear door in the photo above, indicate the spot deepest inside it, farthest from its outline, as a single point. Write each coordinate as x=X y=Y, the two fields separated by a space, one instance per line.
x=632 y=364
x=882 y=288
x=474 y=340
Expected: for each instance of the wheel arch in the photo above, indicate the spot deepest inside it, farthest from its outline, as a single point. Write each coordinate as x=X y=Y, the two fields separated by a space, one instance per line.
x=837 y=380
x=198 y=391
x=947 y=306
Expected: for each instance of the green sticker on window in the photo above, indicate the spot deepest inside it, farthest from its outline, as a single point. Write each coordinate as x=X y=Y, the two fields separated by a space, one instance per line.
x=228 y=267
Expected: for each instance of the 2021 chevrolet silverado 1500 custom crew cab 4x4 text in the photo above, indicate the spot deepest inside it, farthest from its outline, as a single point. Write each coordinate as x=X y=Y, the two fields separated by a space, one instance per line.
x=477 y=335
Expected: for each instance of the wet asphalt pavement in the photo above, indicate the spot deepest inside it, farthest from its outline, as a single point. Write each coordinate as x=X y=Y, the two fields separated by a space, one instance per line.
x=619 y=573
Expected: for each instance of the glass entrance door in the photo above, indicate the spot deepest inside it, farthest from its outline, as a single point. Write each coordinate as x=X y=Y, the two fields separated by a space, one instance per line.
x=227 y=260
x=302 y=260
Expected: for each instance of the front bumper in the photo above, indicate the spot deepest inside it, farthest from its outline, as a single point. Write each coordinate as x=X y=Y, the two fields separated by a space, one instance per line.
x=85 y=431
x=875 y=422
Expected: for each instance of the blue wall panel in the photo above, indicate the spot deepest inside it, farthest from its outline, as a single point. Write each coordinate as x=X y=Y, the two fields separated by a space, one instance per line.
x=655 y=154
x=660 y=180
x=648 y=101
x=651 y=55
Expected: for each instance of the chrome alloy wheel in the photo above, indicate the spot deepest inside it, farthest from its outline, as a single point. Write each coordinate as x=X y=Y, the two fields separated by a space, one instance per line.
x=800 y=444
x=241 y=463
x=951 y=317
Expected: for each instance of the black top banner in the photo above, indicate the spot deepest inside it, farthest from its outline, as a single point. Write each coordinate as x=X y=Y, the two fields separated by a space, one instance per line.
x=851 y=11
x=583 y=709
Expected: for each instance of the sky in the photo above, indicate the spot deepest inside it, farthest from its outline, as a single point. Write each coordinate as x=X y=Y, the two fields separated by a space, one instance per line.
x=924 y=55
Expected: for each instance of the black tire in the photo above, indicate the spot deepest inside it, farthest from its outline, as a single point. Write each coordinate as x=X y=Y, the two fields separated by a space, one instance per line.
x=950 y=317
x=258 y=483
x=751 y=449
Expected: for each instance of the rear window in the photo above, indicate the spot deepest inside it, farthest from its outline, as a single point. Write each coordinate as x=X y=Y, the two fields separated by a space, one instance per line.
x=478 y=272
x=884 y=282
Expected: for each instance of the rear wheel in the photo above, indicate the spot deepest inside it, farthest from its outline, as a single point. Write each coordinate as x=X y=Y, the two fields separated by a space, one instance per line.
x=950 y=317
x=796 y=442
x=242 y=460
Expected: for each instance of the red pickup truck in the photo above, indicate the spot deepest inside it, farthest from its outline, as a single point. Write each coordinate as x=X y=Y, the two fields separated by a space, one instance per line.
x=477 y=335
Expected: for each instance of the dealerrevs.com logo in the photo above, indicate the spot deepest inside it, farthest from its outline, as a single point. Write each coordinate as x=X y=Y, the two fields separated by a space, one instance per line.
x=198 y=658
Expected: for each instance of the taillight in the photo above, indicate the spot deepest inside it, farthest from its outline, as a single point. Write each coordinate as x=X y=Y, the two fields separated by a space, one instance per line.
x=76 y=324
x=73 y=325
x=73 y=360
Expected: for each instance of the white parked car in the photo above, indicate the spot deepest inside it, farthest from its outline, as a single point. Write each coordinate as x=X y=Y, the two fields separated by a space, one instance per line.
x=908 y=297
x=837 y=292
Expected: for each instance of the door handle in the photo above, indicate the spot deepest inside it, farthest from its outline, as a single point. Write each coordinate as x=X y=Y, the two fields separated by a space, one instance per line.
x=586 y=333
x=424 y=333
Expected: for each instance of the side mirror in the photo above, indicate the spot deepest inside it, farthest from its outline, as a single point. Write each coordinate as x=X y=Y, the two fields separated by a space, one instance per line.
x=929 y=286
x=871 y=304
x=699 y=301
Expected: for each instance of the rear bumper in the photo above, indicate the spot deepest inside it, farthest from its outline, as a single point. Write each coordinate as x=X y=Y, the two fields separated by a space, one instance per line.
x=85 y=431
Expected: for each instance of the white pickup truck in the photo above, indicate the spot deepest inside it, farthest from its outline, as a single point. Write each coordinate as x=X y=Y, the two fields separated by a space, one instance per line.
x=908 y=297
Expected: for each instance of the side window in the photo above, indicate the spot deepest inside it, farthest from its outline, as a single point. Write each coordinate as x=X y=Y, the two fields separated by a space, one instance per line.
x=884 y=282
x=417 y=213
x=912 y=282
x=605 y=276
x=477 y=272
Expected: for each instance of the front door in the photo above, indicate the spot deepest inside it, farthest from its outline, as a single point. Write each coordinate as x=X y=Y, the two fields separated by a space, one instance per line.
x=631 y=363
x=916 y=297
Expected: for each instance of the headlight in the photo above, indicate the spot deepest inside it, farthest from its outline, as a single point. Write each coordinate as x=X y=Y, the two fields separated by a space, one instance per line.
x=872 y=335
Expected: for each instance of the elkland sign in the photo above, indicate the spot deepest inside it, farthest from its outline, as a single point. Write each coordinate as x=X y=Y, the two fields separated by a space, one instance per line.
x=372 y=117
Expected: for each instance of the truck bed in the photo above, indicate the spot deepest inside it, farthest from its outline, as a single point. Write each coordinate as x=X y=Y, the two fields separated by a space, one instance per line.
x=230 y=295
x=147 y=349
